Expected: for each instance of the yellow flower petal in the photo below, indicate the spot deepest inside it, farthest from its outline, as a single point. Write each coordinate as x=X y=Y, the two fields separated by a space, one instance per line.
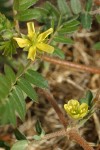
x=32 y=53
x=73 y=102
x=43 y=35
x=83 y=106
x=31 y=29
x=75 y=109
x=83 y=109
x=22 y=42
x=77 y=116
x=45 y=47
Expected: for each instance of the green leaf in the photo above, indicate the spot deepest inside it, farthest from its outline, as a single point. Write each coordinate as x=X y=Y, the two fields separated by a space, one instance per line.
x=76 y=6
x=88 y=98
x=71 y=23
x=83 y=100
x=35 y=78
x=25 y=4
x=19 y=135
x=28 y=15
x=86 y=20
x=4 y=112
x=19 y=102
x=98 y=18
x=8 y=47
x=63 y=7
x=20 y=145
x=42 y=14
x=11 y=111
x=70 y=26
x=10 y=73
x=3 y=93
x=96 y=46
x=5 y=24
x=39 y=129
x=51 y=9
x=68 y=30
x=20 y=71
x=28 y=89
x=89 y=5
x=4 y=145
x=62 y=39
x=37 y=137
x=58 y=52
x=5 y=85
x=16 y=4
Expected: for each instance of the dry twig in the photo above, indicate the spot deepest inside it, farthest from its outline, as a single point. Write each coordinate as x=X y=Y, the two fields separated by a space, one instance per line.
x=67 y=64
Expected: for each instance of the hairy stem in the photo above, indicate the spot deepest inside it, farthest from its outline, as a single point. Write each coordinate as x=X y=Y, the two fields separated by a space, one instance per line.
x=52 y=135
x=67 y=64
x=72 y=133
x=53 y=102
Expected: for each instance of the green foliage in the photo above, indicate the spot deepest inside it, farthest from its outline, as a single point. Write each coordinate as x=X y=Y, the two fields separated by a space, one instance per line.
x=86 y=17
x=12 y=92
x=64 y=40
x=5 y=9
x=4 y=145
x=58 y=52
x=96 y=46
x=7 y=44
x=24 y=12
x=98 y=18
x=4 y=23
x=8 y=47
x=65 y=18
x=35 y=78
x=88 y=98
x=24 y=4
x=39 y=131
x=29 y=15
x=89 y=5
x=63 y=7
x=51 y=9
x=28 y=89
x=86 y=20
x=19 y=135
x=70 y=26
x=76 y=6
x=20 y=145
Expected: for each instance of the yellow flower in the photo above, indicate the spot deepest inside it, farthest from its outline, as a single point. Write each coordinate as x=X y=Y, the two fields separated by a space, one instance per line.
x=75 y=109
x=34 y=41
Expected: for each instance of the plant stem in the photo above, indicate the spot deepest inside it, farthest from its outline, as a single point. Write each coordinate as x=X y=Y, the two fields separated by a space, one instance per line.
x=15 y=20
x=67 y=64
x=52 y=135
x=72 y=133
x=56 y=31
x=53 y=102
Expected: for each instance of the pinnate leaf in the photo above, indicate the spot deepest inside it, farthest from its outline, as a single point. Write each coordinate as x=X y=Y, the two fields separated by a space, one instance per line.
x=76 y=6
x=36 y=78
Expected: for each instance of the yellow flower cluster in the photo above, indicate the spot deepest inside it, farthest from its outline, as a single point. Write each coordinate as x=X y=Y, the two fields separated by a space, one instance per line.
x=34 y=41
x=75 y=109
